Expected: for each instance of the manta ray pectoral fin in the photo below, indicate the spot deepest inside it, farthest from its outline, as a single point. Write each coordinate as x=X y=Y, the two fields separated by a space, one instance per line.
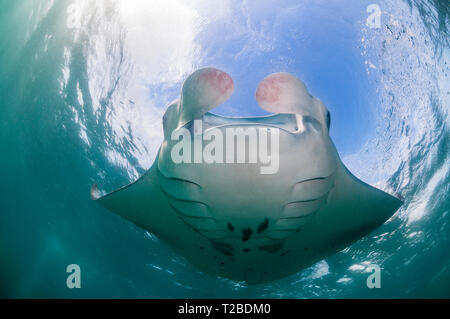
x=354 y=209
x=380 y=206
x=140 y=202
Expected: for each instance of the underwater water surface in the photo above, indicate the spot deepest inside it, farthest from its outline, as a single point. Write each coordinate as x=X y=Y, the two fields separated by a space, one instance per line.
x=84 y=85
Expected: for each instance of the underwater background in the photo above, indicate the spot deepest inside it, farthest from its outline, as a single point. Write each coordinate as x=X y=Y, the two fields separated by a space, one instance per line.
x=84 y=85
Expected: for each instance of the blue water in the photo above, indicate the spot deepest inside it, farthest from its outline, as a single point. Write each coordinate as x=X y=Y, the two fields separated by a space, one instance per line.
x=84 y=85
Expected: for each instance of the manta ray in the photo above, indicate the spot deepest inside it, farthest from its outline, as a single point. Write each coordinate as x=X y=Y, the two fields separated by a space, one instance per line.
x=229 y=219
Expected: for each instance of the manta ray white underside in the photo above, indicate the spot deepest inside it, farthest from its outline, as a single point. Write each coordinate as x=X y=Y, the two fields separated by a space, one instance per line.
x=229 y=219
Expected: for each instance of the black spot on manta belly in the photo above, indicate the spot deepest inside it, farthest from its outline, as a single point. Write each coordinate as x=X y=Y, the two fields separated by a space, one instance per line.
x=273 y=248
x=246 y=234
x=263 y=226
x=224 y=248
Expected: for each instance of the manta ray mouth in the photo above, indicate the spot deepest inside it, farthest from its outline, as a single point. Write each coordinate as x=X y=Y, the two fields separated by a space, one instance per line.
x=290 y=123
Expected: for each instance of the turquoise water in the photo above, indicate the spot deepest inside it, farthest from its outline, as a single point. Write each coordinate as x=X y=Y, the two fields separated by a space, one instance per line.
x=83 y=86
